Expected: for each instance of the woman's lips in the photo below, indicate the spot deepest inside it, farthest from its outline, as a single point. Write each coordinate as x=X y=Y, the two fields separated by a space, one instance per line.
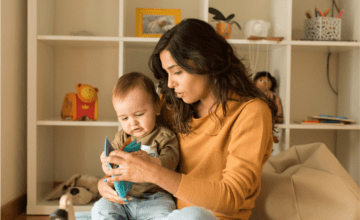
x=179 y=94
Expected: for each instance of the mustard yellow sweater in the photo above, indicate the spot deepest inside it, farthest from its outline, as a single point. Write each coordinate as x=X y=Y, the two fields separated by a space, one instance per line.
x=221 y=165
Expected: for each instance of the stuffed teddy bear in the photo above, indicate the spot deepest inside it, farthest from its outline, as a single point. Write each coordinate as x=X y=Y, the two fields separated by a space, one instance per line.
x=83 y=103
x=81 y=188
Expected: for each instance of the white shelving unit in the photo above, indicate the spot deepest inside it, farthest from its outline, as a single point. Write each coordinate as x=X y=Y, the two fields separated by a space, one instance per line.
x=58 y=61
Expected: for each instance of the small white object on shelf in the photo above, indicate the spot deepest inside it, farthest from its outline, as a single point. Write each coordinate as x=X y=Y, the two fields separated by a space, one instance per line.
x=258 y=28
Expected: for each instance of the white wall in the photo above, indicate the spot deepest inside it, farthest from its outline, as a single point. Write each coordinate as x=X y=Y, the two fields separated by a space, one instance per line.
x=13 y=99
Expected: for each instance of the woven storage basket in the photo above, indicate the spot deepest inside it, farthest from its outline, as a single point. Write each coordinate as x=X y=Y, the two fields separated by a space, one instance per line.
x=323 y=28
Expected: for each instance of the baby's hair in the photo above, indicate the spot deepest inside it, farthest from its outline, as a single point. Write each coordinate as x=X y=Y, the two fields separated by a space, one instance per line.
x=131 y=80
x=268 y=75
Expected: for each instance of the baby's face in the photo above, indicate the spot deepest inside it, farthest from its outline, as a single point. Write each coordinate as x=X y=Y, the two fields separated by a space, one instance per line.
x=263 y=83
x=136 y=112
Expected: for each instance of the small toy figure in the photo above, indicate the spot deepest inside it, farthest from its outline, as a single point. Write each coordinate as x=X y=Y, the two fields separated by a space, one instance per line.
x=267 y=84
x=65 y=210
x=84 y=103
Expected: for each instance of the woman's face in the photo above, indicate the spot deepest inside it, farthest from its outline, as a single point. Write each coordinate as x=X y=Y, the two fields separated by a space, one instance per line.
x=189 y=87
x=263 y=83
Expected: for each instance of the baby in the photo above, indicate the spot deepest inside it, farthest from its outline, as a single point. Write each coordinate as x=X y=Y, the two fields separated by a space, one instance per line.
x=137 y=105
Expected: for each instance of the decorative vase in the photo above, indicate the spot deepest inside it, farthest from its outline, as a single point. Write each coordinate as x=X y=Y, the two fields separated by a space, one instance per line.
x=224 y=29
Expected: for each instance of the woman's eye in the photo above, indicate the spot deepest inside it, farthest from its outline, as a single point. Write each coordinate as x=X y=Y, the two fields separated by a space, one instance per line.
x=177 y=73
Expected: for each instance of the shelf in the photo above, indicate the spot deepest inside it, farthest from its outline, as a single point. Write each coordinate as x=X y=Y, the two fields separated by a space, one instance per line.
x=68 y=122
x=324 y=127
x=324 y=46
x=140 y=42
x=80 y=41
x=48 y=207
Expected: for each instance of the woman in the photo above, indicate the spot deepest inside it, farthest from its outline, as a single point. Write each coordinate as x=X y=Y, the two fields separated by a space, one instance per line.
x=224 y=125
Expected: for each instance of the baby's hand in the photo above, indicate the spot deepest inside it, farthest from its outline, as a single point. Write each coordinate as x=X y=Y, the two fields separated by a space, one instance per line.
x=269 y=94
x=145 y=157
x=104 y=165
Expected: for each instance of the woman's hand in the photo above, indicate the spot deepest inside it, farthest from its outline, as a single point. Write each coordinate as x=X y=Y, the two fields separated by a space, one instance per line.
x=134 y=167
x=106 y=190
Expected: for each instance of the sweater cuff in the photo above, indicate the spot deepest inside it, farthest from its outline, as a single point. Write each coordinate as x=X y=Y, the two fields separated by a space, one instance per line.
x=181 y=183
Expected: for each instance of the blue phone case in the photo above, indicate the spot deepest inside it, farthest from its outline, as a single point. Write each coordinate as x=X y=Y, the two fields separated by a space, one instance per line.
x=121 y=187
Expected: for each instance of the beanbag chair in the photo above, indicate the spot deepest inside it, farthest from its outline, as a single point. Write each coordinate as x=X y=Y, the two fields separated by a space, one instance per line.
x=306 y=182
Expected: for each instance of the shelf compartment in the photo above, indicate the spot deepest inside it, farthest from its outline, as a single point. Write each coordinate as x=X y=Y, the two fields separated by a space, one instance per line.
x=305 y=136
x=59 y=69
x=129 y=22
x=141 y=52
x=312 y=97
x=276 y=12
x=62 y=152
x=67 y=16
x=350 y=21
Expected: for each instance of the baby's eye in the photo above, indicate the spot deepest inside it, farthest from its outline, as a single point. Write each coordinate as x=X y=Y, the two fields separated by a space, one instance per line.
x=140 y=114
x=124 y=119
x=268 y=81
x=261 y=80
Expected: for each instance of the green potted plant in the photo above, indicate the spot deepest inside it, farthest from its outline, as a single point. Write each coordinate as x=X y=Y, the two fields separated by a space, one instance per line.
x=223 y=26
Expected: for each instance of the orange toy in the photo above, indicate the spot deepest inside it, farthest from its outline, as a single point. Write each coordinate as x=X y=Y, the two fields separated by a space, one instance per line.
x=84 y=103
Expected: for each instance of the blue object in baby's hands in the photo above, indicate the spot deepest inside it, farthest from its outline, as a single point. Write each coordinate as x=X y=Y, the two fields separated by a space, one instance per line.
x=121 y=187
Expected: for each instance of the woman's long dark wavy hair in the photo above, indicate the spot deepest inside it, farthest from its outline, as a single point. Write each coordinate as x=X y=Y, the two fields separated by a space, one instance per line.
x=211 y=55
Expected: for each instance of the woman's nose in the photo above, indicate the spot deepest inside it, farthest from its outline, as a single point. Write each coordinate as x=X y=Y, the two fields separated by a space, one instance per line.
x=170 y=83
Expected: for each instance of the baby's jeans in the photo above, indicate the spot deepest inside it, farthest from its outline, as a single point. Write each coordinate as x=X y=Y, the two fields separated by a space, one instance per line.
x=156 y=206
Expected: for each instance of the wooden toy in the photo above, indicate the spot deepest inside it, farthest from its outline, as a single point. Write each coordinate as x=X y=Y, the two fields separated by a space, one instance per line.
x=65 y=210
x=83 y=103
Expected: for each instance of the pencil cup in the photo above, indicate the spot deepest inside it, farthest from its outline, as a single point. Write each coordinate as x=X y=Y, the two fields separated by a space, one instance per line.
x=323 y=28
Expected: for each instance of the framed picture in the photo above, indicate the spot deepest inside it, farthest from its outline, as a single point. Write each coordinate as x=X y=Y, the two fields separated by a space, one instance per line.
x=153 y=22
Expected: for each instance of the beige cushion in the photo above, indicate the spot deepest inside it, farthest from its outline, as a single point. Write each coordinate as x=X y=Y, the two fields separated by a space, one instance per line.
x=306 y=182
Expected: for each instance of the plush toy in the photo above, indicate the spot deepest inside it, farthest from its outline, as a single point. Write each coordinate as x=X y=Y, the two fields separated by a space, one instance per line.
x=83 y=103
x=81 y=188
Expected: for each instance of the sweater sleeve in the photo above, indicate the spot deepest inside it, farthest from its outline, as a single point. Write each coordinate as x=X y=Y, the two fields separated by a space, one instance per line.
x=169 y=150
x=250 y=140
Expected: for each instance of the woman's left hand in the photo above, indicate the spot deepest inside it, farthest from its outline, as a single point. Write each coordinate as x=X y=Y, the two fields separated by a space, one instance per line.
x=134 y=167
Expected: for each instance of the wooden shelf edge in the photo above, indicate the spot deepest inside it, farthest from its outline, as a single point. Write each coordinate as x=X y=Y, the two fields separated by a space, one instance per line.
x=58 y=122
